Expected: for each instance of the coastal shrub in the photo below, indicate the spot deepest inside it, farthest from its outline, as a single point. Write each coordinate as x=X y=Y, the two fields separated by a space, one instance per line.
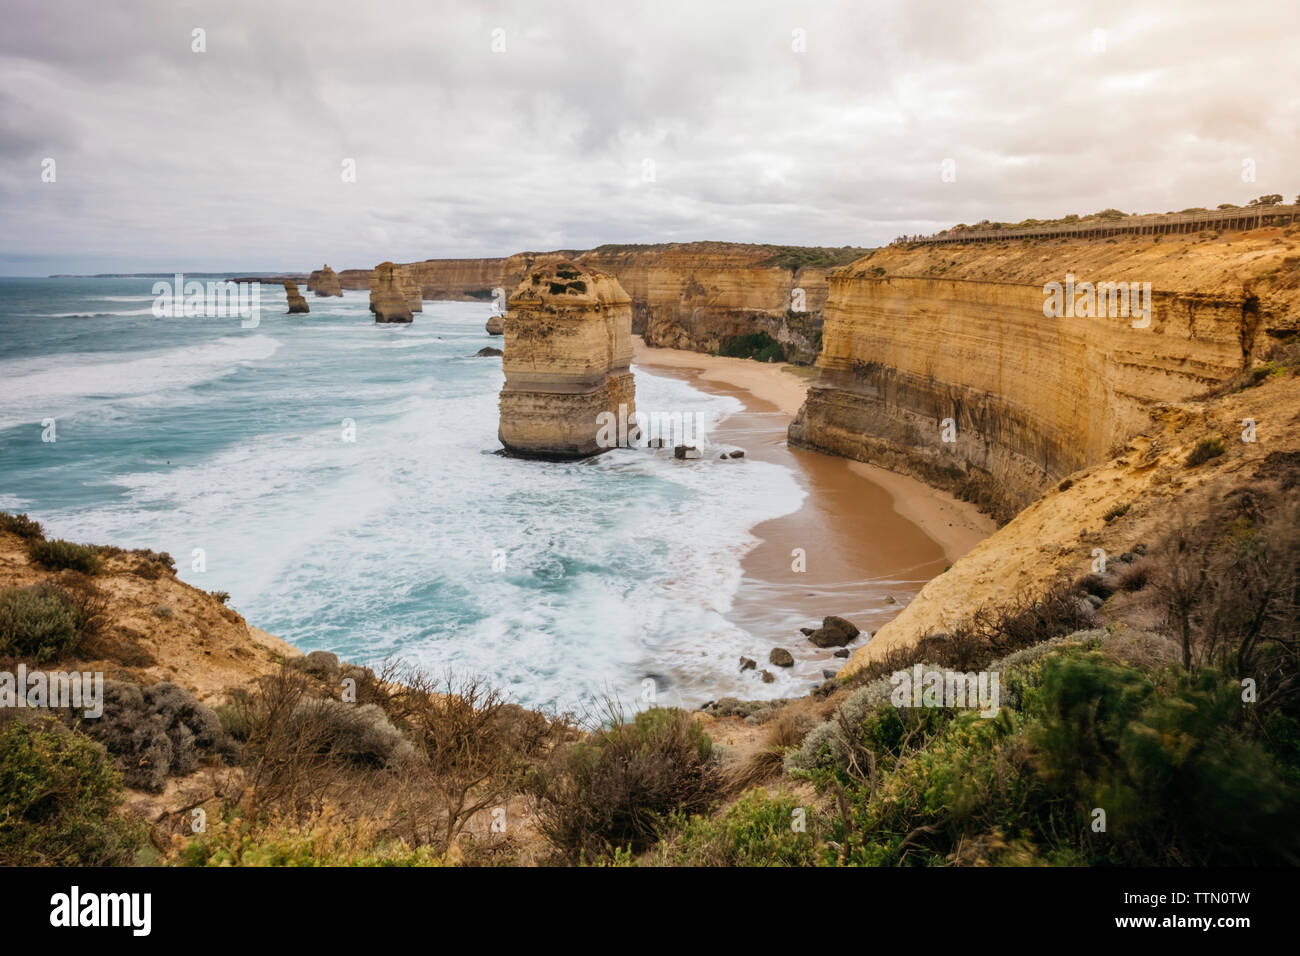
x=758 y=830
x=58 y=554
x=1180 y=781
x=45 y=621
x=328 y=841
x=785 y=731
x=757 y=345
x=1117 y=511
x=1207 y=449
x=359 y=733
x=1168 y=756
x=992 y=631
x=474 y=749
x=155 y=732
x=21 y=525
x=1230 y=588
x=616 y=789
x=60 y=796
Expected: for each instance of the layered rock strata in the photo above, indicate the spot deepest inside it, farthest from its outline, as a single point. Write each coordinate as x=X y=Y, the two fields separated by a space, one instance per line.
x=568 y=352
x=941 y=363
x=388 y=299
x=697 y=295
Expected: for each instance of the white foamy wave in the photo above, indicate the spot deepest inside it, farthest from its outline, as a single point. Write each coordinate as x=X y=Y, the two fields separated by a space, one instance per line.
x=32 y=390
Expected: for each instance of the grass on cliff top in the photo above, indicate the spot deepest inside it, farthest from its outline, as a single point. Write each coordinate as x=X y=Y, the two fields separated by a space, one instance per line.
x=788 y=257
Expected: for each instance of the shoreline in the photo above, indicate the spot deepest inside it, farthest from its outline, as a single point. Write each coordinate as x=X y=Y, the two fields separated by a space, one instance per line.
x=955 y=526
x=868 y=540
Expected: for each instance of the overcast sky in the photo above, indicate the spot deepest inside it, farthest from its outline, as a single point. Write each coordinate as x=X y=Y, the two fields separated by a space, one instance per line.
x=818 y=123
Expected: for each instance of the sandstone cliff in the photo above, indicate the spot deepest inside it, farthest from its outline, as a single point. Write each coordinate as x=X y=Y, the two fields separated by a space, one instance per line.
x=388 y=300
x=696 y=295
x=324 y=282
x=412 y=290
x=568 y=348
x=939 y=361
x=297 y=304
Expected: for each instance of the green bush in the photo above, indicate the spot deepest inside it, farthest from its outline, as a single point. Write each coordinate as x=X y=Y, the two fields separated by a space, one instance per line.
x=58 y=555
x=44 y=621
x=21 y=525
x=1171 y=760
x=156 y=732
x=1207 y=449
x=757 y=830
x=756 y=345
x=324 y=842
x=60 y=798
x=616 y=789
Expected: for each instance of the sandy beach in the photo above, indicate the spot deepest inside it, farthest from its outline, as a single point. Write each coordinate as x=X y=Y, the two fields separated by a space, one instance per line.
x=955 y=526
x=871 y=539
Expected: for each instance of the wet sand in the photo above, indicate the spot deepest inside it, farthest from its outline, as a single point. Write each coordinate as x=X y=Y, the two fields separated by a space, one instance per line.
x=871 y=539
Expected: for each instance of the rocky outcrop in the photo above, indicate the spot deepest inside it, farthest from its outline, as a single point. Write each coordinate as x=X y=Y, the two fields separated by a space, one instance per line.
x=939 y=362
x=568 y=351
x=297 y=304
x=324 y=282
x=697 y=295
x=495 y=325
x=388 y=300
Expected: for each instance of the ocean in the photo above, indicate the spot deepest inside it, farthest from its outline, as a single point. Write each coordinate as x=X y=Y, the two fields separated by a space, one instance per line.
x=340 y=479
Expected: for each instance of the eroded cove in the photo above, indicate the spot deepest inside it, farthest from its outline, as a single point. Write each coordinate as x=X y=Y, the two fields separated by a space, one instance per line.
x=845 y=551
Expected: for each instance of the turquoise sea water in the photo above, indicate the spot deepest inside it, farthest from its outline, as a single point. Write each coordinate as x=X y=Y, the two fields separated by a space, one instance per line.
x=196 y=434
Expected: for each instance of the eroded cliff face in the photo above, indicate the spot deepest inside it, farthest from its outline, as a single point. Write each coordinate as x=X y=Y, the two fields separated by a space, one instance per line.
x=697 y=295
x=939 y=361
x=568 y=351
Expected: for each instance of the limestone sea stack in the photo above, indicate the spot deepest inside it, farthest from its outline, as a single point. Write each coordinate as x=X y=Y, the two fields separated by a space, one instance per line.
x=325 y=282
x=388 y=300
x=297 y=304
x=496 y=325
x=568 y=352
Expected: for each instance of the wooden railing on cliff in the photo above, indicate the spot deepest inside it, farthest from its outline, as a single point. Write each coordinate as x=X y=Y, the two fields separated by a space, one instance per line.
x=1243 y=217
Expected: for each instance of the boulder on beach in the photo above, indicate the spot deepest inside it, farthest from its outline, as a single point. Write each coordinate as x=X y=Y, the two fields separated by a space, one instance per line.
x=781 y=657
x=684 y=452
x=834 y=632
x=748 y=663
x=297 y=304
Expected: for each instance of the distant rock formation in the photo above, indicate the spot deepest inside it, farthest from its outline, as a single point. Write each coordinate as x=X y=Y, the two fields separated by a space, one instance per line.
x=297 y=304
x=388 y=300
x=488 y=351
x=568 y=352
x=324 y=282
x=495 y=325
